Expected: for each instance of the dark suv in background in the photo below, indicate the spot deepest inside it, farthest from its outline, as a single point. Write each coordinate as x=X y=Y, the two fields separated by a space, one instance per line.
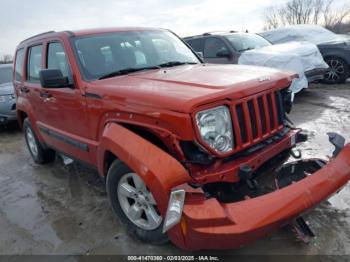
x=225 y=48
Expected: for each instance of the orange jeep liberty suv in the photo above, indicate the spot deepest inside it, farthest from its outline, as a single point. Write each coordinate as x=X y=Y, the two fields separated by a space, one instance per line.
x=190 y=152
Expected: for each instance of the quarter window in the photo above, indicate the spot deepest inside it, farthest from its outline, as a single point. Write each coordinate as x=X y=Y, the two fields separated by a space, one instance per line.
x=34 y=63
x=19 y=64
x=212 y=46
x=196 y=44
x=57 y=59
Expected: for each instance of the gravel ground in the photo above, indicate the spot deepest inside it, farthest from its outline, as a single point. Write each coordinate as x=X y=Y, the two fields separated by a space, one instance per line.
x=55 y=209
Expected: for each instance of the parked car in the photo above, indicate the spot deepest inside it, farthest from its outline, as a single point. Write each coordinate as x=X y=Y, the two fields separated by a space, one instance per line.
x=252 y=49
x=7 y=95
x=334 y=48
x=181 y=144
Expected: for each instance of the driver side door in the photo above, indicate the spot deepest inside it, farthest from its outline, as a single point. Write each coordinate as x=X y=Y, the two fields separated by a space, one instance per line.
x=63 y=119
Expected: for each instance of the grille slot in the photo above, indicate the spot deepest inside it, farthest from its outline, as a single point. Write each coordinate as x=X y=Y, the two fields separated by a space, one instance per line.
x=241 y=121
x=257 y=117
x=252 y=116
x=280 y=108
x=262 y=115
x=270 y=107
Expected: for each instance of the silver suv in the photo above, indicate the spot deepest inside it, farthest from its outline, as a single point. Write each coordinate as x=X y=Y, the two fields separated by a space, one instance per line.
x=7 y=95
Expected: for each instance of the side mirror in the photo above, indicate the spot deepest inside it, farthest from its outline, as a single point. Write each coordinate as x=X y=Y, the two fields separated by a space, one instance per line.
x=53 y=78
x=200 y=54
x=223 y=54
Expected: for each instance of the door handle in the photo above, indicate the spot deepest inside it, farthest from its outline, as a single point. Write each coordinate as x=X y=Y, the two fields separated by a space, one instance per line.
x=45 y=95
x=24 y=89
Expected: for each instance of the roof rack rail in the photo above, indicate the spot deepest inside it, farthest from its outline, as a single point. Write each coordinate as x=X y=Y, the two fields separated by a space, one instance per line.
x=219 y=32
x=48 y=32
x=210 y=33
x=70 y=33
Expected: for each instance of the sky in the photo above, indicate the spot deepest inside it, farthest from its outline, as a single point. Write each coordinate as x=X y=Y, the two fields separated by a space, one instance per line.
x=21 y=19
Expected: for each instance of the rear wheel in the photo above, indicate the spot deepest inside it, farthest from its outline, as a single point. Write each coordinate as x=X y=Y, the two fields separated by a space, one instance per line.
x=134 y=204
x=338 y=70
x=39 y=154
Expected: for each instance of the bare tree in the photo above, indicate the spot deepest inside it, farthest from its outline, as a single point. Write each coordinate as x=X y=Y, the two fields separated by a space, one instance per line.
x=305 y=12
x=272 y=18
x=5 y=59
x=332 y=17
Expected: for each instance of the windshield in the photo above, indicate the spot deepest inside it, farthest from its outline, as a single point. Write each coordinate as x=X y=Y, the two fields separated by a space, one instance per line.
x=103 y=55
x=243 y=42
x=310 y=33
x=5 y=75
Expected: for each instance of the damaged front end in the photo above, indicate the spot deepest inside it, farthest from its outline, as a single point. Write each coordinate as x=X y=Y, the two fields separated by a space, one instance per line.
x=223 y=215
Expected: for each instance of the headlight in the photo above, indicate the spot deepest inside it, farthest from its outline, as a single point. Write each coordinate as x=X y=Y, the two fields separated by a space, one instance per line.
x=5 y=98
x=215 y=128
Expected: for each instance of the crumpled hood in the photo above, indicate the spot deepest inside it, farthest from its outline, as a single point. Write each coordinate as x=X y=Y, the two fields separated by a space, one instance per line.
x=183 y=88
x=6 y=89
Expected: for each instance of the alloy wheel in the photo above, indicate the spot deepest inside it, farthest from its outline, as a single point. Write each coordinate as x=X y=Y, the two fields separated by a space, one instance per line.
x=335 y=71
x=138 y=203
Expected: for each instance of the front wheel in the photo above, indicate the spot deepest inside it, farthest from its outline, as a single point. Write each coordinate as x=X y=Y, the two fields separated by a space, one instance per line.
x=338 y=70
x=134 y=204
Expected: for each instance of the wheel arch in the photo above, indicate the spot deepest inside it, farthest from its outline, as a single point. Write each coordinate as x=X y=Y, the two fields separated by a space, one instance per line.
x=159 y=170
x=21 y=116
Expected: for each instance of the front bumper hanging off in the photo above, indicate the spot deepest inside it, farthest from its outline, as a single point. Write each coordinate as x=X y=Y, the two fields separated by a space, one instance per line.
x=209 y=224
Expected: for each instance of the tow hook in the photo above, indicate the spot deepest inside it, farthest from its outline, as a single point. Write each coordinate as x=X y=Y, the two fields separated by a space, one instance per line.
x=338 y=141
x=302 y=230
x=296 y=153
x=246 y=174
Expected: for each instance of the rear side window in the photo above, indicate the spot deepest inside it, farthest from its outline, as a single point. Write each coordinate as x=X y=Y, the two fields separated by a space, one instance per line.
x=57 y=59
x=19 y=64
x=196 y=44
x=34 y=63
x=213 y=46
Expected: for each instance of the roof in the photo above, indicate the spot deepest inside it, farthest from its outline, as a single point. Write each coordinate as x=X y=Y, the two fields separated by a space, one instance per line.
x=86 y=32
x=110 y=30
x=219 y=33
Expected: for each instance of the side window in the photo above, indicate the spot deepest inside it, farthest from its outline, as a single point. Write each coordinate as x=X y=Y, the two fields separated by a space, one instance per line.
x=34 y=63
x=19 y=64
x=57 y=59
x=196 y=44
x=212 y=46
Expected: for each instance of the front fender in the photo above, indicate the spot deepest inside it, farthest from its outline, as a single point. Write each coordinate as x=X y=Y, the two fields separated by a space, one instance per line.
x=159 y=170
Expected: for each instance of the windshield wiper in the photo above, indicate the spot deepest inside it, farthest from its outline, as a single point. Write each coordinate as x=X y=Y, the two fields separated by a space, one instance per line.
x=246 y=49
x=176 y=63
x=127 y=71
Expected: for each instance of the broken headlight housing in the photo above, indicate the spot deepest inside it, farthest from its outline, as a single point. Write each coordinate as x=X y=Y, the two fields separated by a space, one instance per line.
x=5 y=98
x=215 y=128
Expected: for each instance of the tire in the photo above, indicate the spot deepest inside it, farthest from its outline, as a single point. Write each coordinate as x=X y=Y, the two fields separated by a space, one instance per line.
x=118 y=175
x=338 y=71
x=39 y=154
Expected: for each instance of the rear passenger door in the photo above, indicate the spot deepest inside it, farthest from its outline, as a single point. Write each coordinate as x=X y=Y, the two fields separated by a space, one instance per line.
x=213 y=46
x=30 y=88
